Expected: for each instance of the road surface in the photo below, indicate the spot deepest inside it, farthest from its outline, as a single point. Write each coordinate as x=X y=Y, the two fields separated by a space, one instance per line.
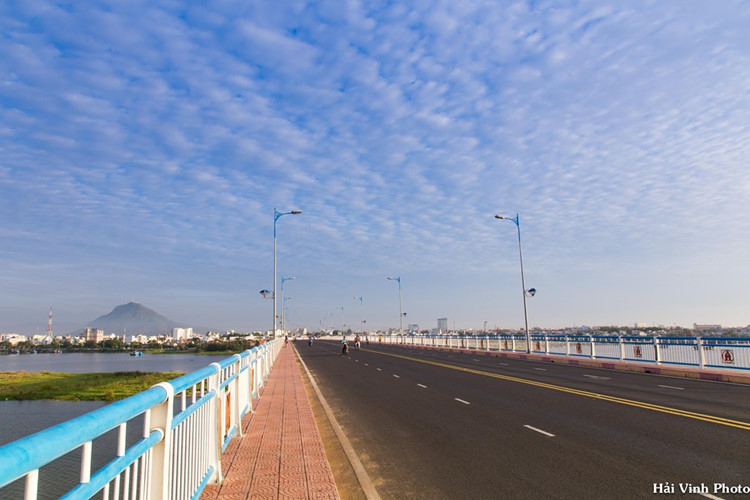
x=433 y=424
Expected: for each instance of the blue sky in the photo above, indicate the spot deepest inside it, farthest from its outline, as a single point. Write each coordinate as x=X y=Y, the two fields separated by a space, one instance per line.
x=145 y=144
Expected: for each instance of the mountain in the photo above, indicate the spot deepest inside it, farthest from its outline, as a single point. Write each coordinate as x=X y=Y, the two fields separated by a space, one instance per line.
x=133 y=318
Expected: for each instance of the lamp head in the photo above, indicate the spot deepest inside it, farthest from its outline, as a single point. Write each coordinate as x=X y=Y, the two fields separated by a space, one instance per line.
x=296 y=212
x=499 y=216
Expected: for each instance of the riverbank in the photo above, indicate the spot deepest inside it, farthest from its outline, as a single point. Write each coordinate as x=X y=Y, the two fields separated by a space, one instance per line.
x=22 y=385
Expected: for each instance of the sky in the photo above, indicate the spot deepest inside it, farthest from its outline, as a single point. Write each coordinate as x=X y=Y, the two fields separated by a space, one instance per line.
x=144 y=146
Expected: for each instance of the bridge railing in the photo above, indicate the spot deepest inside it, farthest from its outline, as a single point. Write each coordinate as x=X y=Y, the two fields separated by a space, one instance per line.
x=187 y=423
x=702 y=352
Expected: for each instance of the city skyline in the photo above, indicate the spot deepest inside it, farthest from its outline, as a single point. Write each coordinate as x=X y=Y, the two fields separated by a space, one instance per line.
x=145 y=146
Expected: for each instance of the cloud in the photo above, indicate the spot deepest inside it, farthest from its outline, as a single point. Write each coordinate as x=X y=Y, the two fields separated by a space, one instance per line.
x=168 y=133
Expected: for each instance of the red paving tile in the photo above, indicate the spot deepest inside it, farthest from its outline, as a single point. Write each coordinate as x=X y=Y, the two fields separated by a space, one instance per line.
x=280 y=455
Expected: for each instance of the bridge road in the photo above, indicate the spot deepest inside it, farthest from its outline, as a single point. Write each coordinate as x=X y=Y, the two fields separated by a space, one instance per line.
x=433 y=430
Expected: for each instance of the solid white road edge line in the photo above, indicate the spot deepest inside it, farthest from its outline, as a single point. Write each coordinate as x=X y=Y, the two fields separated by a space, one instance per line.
x=359 y=470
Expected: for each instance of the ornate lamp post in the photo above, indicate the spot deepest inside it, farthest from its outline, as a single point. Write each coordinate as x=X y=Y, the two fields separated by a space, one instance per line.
x=524 y=292
x=276 y=215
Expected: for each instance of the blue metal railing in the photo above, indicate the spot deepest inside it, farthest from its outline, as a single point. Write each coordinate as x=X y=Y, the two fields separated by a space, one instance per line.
x=181 y=444
x=732 y=353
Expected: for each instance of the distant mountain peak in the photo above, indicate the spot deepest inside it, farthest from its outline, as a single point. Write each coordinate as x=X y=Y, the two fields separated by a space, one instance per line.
x=134 y=318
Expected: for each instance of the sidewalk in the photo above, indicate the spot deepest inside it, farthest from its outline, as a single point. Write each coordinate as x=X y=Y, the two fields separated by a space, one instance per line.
x=280 y=455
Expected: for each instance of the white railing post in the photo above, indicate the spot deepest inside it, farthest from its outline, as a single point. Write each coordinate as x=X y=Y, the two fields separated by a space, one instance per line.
x=593 y=346
x=567 y=346
x=622 y=348
x=701 y=353
x=238 y=399
x=32 y=485
x=257 y=369
x=160 y=418
x=546 y=344
x=657 y=353
x=216 y=432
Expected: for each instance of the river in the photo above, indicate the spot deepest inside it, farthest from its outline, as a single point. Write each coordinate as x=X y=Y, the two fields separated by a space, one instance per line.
x=22 y=418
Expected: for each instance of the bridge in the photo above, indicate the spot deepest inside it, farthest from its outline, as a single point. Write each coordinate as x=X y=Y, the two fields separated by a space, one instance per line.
x=449 y=417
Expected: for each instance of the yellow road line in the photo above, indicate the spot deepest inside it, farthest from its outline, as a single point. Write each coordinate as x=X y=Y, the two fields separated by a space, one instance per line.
x=614 y=399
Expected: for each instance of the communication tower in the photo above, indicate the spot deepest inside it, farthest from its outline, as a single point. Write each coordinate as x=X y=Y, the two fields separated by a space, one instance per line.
x=49 y=323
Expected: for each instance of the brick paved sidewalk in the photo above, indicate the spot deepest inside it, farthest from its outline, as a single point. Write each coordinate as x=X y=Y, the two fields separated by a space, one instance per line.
x=280 y=455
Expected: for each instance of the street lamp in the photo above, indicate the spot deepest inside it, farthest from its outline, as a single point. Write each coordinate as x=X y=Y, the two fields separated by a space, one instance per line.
x=361 y=315
x=283 y=324
x=276 y=215
x=283 y=312
x=343 y=325
x=400 y=314
x=531 y=291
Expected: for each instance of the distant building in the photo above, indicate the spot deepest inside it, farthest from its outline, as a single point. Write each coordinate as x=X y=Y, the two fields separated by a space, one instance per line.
x=182 y=333
x=13 y=338
x=443 y=324
x=95 y=334
x=706 y=328
x=413 y=327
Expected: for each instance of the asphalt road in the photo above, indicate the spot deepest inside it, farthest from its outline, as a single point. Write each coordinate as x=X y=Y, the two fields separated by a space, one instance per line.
x=432 y=424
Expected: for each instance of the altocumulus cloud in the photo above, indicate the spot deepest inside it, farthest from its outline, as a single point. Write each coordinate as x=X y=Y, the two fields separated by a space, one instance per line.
x=147 y=142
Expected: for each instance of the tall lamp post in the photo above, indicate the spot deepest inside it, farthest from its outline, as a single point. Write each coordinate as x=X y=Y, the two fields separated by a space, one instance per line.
x=283 y=323
x=283 y=313
x=400 y=313
x=515 y=221
x=343 y=325
x=361 y=315
x=276 y=215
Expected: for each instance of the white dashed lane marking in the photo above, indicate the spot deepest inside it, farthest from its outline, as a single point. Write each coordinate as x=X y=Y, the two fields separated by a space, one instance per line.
x=540 y=431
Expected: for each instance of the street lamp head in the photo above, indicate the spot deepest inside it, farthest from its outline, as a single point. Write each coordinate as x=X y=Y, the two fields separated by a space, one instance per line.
x=296 y=212
x=499 y=216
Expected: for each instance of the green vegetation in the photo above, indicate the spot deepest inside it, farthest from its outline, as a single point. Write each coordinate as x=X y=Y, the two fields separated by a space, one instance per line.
x=192 y=346
x=78 y=386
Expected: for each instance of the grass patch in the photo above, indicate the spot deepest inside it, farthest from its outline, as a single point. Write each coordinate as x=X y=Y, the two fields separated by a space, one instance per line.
x=78 y=386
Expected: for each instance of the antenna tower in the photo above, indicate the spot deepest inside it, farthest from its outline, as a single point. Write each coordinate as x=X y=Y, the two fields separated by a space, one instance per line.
x=49 y=323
